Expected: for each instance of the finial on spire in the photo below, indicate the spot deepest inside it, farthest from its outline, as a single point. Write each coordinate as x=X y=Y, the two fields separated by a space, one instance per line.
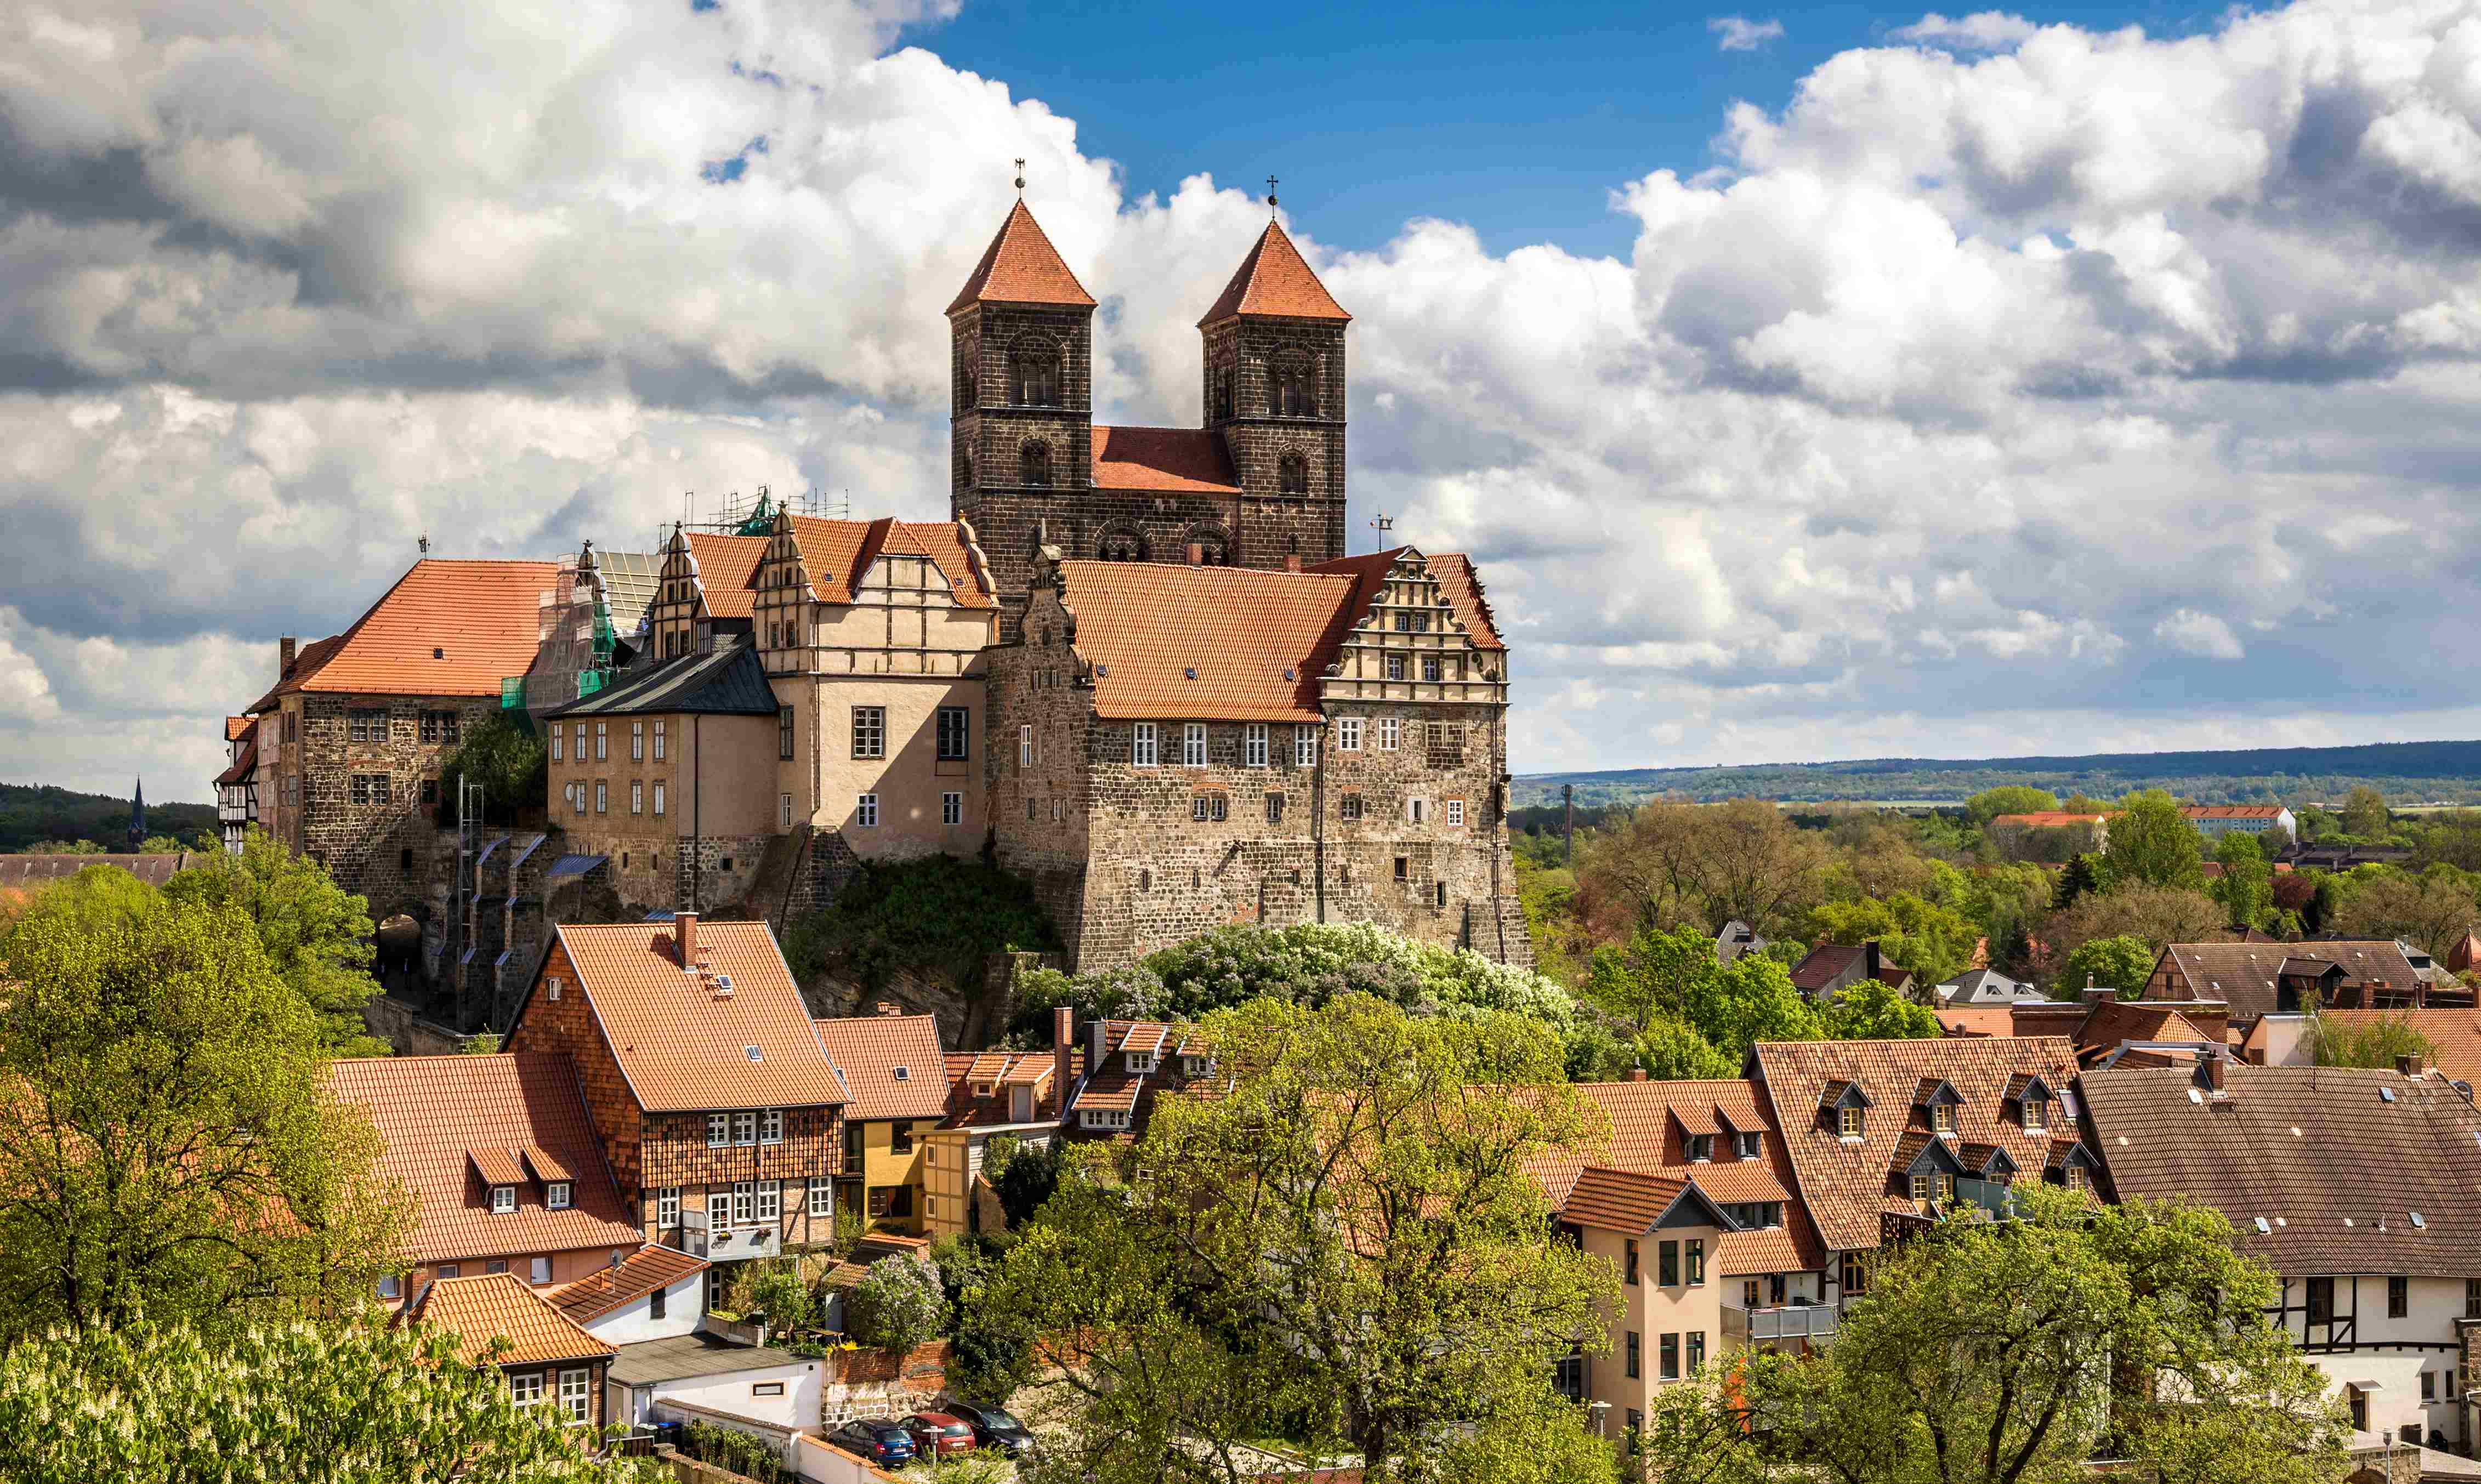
x=1019 y=180
x=424 y=541
x=1270 y=196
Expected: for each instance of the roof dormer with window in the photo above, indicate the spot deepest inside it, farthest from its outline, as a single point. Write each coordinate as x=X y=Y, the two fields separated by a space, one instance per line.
x=1843 y=1111
x=1937 y=1105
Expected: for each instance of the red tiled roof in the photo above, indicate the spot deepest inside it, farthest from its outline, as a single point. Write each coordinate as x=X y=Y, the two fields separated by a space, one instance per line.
x=680 y=1045
x=1110 y=1092
x=1021 y=267
x=1629 y=1201
x=234 y=726
x=2456 y=1034
x=496 y=1166
x=1643 y=1138
x=727 y=571
x=836 y=552
x=1193 y=459
x=646 y=1269
x=482 y=619
x=432 y=1111
x=1274 y=279
x=872 y=1050
x=1146 y=624
x=1464 y=594
x=488 y=1305
x=1978 y=1020
x=2050 y=819
x=308 y=660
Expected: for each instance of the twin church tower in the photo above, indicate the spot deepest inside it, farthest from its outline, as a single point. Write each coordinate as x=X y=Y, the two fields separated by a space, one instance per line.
x=1259 y=483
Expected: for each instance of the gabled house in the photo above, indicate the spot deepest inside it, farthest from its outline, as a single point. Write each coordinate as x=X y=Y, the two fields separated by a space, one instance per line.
x=1130 y=1063
x=1986 y=987
x=1832 y=967
x=2260 y=979
x=1017 y=1095
x=550 y=1361
x=710 y=1091
x=895 y=1093
x=650 y=1309
x=1661 y=1233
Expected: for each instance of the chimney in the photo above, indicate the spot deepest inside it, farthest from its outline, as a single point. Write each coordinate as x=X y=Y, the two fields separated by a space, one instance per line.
x=684 y=937
x=1063 y=1041
x=2212 y=1070
x=1637 y=1074
x=1292 y=563
x=1196 y=554
x=2098 y=994
x=1870 y=959
x=285 y=649
x=888 y=1007
x=2411 y=1065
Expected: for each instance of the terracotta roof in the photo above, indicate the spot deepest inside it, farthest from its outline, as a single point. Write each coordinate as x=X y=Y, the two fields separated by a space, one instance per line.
x=545 y=1165
x=728 y=572
x=1644 y=1136
x=482 y=618
x=2336 y=1161
x=2114 y=1020
x=872 y=1050
x=307 y=660
x=2232 y=811
x=2242 y=974
x=489 y=1305
x=234 y=726
x=644 y=1270
x=1977 y=1020
x=432 y=1112
x=1274 y=279
x=1629 y=1201
x=2050 y=819
x=1109 y=1092
x=836 y=552
x=1464 y=594
x=496 y=1166
x=1145 y=625
x=1191 y=460
x=680 y=1045
x=1843 y=1184
x=1021 y=267
x=2456 y=1033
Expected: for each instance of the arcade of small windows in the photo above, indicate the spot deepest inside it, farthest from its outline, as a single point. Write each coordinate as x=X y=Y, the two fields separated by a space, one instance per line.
x=1033 y=463
x=1292 y=395
x=1120 y=545
x=1034 y=375
x=1292 y=475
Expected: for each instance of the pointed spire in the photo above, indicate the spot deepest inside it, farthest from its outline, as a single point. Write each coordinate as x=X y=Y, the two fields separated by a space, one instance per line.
x=1274 y=279
x=1021 y=267
x=138 y=815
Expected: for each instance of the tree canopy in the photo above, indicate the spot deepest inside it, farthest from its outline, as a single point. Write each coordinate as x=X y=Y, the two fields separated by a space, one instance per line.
x=2009 y=798
x=2246 y=885
x=2120 y=963
x=2153 y=843
x=317 y=935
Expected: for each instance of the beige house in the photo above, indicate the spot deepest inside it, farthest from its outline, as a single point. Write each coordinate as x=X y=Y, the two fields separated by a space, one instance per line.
x=1665 y=1238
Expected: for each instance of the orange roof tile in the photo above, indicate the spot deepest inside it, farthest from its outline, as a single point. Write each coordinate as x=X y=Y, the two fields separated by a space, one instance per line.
x=546 y=1165
x=1193 y=459
x=2232 y=811
x=489 y=1305
x=306 y=663
x=496 y=1166
x=1644 y=1136
x=2456 y=1033
x=2052 y=818
x=836 y=552
x=1274 y=279
x=1978 y=1020
x=445 y=628
x=644 y=1270
x=892 y=1064
x=1464 y=594
x=728 y=572
x=1021 y=267
x=1145 y=625
x=1629 y=1201
x=234 y=726
x=681 y=1045
x=431 y=1110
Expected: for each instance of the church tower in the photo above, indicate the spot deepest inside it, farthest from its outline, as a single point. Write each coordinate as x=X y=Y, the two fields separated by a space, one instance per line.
x=1021 y=364
x=1274 y=390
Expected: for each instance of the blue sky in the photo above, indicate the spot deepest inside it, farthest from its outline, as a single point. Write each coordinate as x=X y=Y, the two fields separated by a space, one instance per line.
x=1515 y=119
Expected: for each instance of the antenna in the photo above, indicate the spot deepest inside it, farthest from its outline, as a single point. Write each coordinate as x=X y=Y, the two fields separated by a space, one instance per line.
x=1270 y=196
x=1382 y=523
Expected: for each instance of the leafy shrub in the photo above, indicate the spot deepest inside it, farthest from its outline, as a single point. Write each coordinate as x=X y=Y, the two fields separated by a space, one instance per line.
x=898 y=1305
x=780 y=1294
x=1026 y=1180
x=938 y=914
x=511 y=763
x=728 y=1447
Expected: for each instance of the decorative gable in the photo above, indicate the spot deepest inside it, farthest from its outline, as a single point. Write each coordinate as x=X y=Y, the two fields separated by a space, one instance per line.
x=1408 y=641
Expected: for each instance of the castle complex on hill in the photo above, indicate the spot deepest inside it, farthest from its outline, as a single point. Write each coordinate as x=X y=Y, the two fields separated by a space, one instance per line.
x=1136 y=666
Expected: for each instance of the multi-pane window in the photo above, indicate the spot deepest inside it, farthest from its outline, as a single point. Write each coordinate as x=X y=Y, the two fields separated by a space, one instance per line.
x=1141 y=744
x=853 y=1149
x=744 y=1202
x=1253 y=745
x=370 y=788
x=538 y=1271
x=637 y=795
x=718 y=1130
x=744 y=1128
x=576 y=1394
x=823 y=1200
x=659 y=796
x=504 y=1200
x=1192 y=744
x=868 y=731
x=369 y=726
x=718 y=1211
x=1348 y=807
x=2398 y=1297
x=771 y=1126
x=1205 y=807
x=1671 y=1357
x=1391 y=731
x=556 y=1195
x=1395 y=667
x=1025 y=747
x=602 y=797
x=668 y=1206
x=1274 y=809
x=580 y=742
x=1853 y=1272
x=1305 y=741
x=1412 y=620
x=1692 y=1259
x=659 y=740
x=637 y=742
x=602 y=740
x=557 y=735
x=2037 y=1110
x=771 y=1200
x=1455 y=811
x=951 y=808
x=1696 y=1351
x=1847 y=1121
x=1431 y=668
x=1347 y=734
x=1666 y=1266
x=1636 y=1356
x=955 y=734
x=439 y=726
x=1631 y=1274
x=525 y=1386
x=865 y=810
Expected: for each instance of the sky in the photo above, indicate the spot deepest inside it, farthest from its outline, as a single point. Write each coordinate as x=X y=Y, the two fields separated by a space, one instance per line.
x=1807 y=382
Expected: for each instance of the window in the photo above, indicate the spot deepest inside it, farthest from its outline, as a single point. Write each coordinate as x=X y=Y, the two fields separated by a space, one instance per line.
x=2321 y=1300
x=668 y=1206
x=370 y=788
x=1348 y=807
x=1920 y=1189
x=2359 y=1401
x=1671 y=1357
x=636 y=741
x=771 y=1200
x=771 y=1126
x=1416 y=810
x=658 y=743
x=602 y=797
x=1696 y=1351
x=659 y=796
x=2078 y=1178
x=2472 y=1298
x=900 y=1137
x=1389 y=730
x=556 y=1195
x=1033 y=464
x=1847 y=1121
x=1666 y=1264
x=1207 y=807
x=865 y=810
x=1029 y=806
x=370 y=726
x=600 y=740
x=1446 y=745
x=1274 y=809
x=439 y=726
x=1292 y=475
x=576 y=1401
x=637 y=795
x=538 y=1271
x=1943 y=1117
x=1253 y=745
x=1347 y=734
x=1025 y=747
x=1305 y=741
x=1033 y=376
x=2037 y=1110
x=1778 y=1290
x=447 y=1269
x=525 y=1386
x=431 y=791
x=1292 y=397
x=390 y=1287
x=1223 y=393
x=1630 y=1279
x=1192 y=744
x=1853 y=1272
x=868 y=731
x=1141 y=744
x=765 y=1388
x=718 y=1130
x=951 y=808
x=1945 y=1187
x=745 y=1202
x=744 y=1128
x=955 y=734
x=1395 y=667
x=1431 y=668
x=556 y=734
x=1455 y=811
x=2398 y=1297
x=657 y=1301
x=823 y=1200
x=2429 y=1386
x=853 y=1149
x=580 y=742
x=1403 y=869
x=503 y=1199
x=1747 y=1145
x=1636 y=1356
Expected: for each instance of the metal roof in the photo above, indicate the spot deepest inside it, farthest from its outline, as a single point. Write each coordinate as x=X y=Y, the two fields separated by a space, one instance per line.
x=727 y=681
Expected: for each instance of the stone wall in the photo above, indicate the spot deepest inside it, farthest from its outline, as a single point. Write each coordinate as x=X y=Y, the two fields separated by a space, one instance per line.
x=389 y=852
x=402 y=1027
x=872 y=1383
x=989 y=432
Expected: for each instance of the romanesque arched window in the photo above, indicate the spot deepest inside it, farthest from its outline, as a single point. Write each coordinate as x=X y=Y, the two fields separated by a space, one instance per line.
x=1293 y=393
x=1033 y=462
x=1120 y=544
x=1213 y=549
x=1292 y=475
x=1034 y=375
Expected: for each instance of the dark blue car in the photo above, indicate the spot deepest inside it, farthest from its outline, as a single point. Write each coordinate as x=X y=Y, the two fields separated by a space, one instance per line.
x=880 y=1439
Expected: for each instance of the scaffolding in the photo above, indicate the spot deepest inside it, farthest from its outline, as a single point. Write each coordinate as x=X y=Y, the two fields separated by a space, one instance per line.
x=754 y=514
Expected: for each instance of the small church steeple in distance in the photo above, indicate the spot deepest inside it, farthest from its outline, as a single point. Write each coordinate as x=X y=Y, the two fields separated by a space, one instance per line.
x=138 y=815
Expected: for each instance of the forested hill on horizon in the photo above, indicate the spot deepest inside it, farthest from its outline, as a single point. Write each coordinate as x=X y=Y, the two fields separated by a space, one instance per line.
x=2405 y=773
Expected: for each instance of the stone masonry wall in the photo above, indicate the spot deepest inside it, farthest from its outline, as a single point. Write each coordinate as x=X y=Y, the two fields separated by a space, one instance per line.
x=389 y=852
x=989 y=432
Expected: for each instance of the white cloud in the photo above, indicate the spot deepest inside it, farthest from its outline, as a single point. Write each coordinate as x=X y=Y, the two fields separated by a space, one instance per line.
x=1982 y=30
x=2201 y=634
x=1739 y=34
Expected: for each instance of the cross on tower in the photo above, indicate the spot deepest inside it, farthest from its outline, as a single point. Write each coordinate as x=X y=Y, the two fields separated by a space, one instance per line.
x=1270 y=193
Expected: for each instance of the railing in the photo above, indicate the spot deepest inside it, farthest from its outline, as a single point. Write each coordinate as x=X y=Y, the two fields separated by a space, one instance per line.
x=728 y=1243
x=1789 y=1321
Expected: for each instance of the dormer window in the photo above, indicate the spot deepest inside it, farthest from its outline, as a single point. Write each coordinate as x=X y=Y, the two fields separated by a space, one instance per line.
x=1701 y=1147
x=1195 y=1066
x=556 y=1195
x=503 y=1199
x=1844 y=1105
x=1847 y=1121
x=1943 y=1117
x=2037 y=1110
x=1141 y=1062
x=1748 y=1144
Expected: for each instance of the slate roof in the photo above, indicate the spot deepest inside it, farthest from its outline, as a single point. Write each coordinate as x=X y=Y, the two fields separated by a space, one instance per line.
x=870 y=1050
x=1843 y=1184
x=2456 y=1033
x=1021 y=267
x=2336 y=1168
x=435 y=1114
x=447 y=628
x=681 y=1046
x=1275 y=280
x=644 y=1271
x=1645 y=1137
x=729 y=680
x=1986 y=986
x=488 y=1305
x=2242 y=974
x=1189 y=459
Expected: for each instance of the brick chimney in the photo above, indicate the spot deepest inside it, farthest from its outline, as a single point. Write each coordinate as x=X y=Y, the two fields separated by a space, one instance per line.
x=285 y=649
x=2412 y=1065
x=1063 y=1043
x=888 y=1007
x=2211 y=1072
x=1637 y=1074
x=684 y=937
x=1196 y=554
x=1292 y=563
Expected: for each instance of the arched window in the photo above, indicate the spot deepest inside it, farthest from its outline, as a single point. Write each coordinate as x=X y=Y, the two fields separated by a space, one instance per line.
x=1033 y=462
x=1034 y=375
x=1120 y=544
x=1292 y=475
x=1294 y=397
x=1213 y=551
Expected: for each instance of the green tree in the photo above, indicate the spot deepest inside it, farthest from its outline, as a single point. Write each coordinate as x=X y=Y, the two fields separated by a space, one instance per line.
x=2376 y=1043
x=2120 y=963
x=896 y=1306
x=173 y=1149
x=1344 y=1248
x=783 y=1298
x=2433 y=910
x=2081 y=875
x=316 y=933
x=1933 y=942
x=349 y=1401
x=163 y=844
x=507 y=758
x=2365 y=814
x=1672 y=1050
x=2158 y=914
x=1707 y=864
x=1662 y=979
x=2246 y=886
x=2153 y=843
x=2009 y=798
x=1870 y=1011
x=1026 y=1180
x=2013 y=1352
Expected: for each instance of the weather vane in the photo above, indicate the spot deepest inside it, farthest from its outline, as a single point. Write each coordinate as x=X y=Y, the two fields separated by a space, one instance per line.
x=1271 y=193
x=1383 y=523
x=1020 y=179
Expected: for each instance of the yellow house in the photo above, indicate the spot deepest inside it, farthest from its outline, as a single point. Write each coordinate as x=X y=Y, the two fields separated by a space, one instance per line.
x=896 y=1081
x=1664 y=1237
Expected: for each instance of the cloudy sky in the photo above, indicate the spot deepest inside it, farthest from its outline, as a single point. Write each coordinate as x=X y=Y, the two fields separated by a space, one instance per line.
x=1808 y=383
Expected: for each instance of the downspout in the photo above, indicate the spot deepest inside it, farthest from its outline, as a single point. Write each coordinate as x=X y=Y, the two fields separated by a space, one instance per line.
x=697 y=798
x=1318 y=822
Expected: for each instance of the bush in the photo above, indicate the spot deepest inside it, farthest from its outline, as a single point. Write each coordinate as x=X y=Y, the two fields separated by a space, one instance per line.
x=2376 y=1044
x=728 y=1447
x=898 y=1305
x=780 y=1294
x=938 y=914
x=1026 y=1180
x=509 y=761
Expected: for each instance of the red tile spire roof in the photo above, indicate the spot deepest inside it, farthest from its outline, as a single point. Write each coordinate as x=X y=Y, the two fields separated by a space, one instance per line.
x=1274 y=279
x=1021 y=267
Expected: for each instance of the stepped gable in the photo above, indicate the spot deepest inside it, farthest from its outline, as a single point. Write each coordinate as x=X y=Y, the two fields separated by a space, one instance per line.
x=1021 y=267
x=1274 y=281
x=835 y=554
x=727 y=571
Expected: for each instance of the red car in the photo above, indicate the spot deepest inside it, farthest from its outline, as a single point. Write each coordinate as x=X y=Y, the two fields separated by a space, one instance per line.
x=936 y=1432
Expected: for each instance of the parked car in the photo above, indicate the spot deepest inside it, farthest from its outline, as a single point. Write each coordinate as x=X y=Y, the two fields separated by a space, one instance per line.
x=883 y=1439
x=937 y=1432
x=993 y=1427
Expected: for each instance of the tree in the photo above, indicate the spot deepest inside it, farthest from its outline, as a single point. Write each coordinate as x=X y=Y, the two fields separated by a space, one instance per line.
x=1343 y=1247
x=896 y=1306
x=2081 y=875
x=2010 y=1352
x=2157 y=914
x=1663 y=978
x=2009 y=798
x=2366 y=815
x=2246 y=886
x=349 y=1401
x=2377 y=1043
x=2153 y=843
x=1931 y=941
x=316 y=933
x=2118 y=963
x=1027 y=1179
x=172 y=1147
x=1672 y=1050
x=2433 y=910
x=1709 y=864
x=1872 y=1011
x=509 y=761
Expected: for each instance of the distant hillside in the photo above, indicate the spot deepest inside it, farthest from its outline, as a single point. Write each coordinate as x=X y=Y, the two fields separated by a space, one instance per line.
x=32 y=814
x=2406 y=773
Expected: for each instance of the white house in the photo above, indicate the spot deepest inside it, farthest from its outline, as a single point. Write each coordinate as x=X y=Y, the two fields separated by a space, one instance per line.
x=2215 y=821
x=650 y=1309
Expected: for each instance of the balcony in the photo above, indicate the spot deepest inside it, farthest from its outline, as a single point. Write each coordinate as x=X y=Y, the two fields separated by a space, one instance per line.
x=1811 y=1323
x=729 y=1243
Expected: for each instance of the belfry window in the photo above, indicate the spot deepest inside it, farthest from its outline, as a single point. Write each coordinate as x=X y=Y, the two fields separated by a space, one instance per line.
x=1292 y=475
x=1033 y=376
x=1292 y=395
x=1034 y=463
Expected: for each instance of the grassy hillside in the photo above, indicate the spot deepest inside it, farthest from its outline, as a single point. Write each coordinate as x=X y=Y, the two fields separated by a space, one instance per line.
x=33 y=814
x=2405 y=773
